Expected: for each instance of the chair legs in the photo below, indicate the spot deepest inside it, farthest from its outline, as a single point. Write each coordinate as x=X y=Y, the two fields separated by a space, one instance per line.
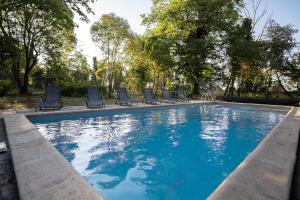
x=207 y=97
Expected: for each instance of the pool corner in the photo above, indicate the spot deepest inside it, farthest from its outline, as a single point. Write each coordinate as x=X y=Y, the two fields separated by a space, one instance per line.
x=41 y=172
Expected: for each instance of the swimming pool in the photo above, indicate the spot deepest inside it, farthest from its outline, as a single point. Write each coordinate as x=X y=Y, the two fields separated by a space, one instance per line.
x=177 y=152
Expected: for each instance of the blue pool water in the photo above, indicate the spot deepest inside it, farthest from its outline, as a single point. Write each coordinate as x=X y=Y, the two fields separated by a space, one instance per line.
x=178 y=152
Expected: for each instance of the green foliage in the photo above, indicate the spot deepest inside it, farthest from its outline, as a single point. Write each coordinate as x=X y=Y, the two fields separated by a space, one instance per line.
x=110 y=34
x=38 y=77
x=76 y=5
x=150 y=62
x=78 y=66
x=74 y=89
x=108 y=74
x=35 y=28
x=137 y=78
x=200 y=43
x=5 y=87
x=280 y=44
x=192 y=28
x=71 y=68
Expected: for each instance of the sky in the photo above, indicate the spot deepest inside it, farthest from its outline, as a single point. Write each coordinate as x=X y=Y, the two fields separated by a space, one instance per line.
x=283 y=11
x=130 y=10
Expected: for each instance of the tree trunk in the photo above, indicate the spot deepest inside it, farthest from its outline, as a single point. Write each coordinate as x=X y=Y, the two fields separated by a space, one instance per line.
x=231 y=87
x=110 y=89
x=281 y=85
x=227 y=87
x=24 y=87
x=196 y=84
x=195 y=88
x=16 y=73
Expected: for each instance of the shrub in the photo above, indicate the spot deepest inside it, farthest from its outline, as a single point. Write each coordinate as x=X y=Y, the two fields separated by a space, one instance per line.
x=75 y=89
x=5 y=87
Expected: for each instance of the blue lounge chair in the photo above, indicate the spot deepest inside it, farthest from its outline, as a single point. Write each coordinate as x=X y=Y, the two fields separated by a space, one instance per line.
x=51 y=99
x=181 y=96
x=166 y=96
x=149 y=97
x=94 y=98
x=123 y=97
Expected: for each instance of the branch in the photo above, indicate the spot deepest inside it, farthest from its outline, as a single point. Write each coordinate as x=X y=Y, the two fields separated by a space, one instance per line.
x=265 y=27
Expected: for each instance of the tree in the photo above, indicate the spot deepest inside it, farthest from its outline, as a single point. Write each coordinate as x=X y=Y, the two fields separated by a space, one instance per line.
x=243 y=54
x=79 y=67
x=95 y=68
x=150 y=63
x=110 y=34
x=158 y=50
x=105 y=72
x=192 y=28
x=35 y=29
x=76 y=5
x=280 y=44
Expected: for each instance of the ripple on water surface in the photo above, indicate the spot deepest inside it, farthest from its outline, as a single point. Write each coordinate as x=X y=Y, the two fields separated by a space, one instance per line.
x=160 y=153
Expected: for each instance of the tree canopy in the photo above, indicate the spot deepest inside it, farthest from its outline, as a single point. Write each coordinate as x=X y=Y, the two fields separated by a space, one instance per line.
x=196 y=44
x=110 y=34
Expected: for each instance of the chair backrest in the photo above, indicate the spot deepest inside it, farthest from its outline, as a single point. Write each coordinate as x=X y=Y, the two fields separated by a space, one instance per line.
x=52 y=93
x=180 y=94
x=165 y=94
x=94 y=93
x=148 y=94
x=122 y=94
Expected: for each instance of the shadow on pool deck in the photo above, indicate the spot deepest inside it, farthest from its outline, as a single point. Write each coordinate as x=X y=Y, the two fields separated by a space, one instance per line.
x=8 y=184
x=295 y=190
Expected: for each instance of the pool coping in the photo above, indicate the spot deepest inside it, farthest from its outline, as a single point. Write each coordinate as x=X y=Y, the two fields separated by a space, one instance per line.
x=145 y=106
x=116 y=108
x=41 y=170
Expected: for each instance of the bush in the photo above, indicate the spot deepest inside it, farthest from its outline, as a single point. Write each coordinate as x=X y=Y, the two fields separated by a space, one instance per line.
x=287 y=102
x=75 y=89
x=5 y=87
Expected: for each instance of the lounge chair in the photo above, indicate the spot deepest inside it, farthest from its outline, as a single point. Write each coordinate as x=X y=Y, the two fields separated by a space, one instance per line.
x=123 y=97
x=51 y=99
x=207 y=95
x=149 y=97
x=94 y=98
x=181 y=96
x=166 y=96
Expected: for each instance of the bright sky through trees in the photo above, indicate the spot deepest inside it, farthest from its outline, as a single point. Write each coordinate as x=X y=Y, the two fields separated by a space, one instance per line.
x=284 y=12
x=129 y=10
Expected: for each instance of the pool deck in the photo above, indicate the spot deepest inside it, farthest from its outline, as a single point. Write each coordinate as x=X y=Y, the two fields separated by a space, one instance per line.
x=295 y=190
x=42 y=173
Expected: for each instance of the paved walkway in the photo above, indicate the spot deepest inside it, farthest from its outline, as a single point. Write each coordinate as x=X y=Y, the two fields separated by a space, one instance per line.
x=8 y=184
x=84 y=108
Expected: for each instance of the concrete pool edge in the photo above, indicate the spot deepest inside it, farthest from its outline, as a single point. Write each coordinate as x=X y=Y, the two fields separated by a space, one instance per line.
x=267 y=172
x=147 y=106
x=41 y=171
